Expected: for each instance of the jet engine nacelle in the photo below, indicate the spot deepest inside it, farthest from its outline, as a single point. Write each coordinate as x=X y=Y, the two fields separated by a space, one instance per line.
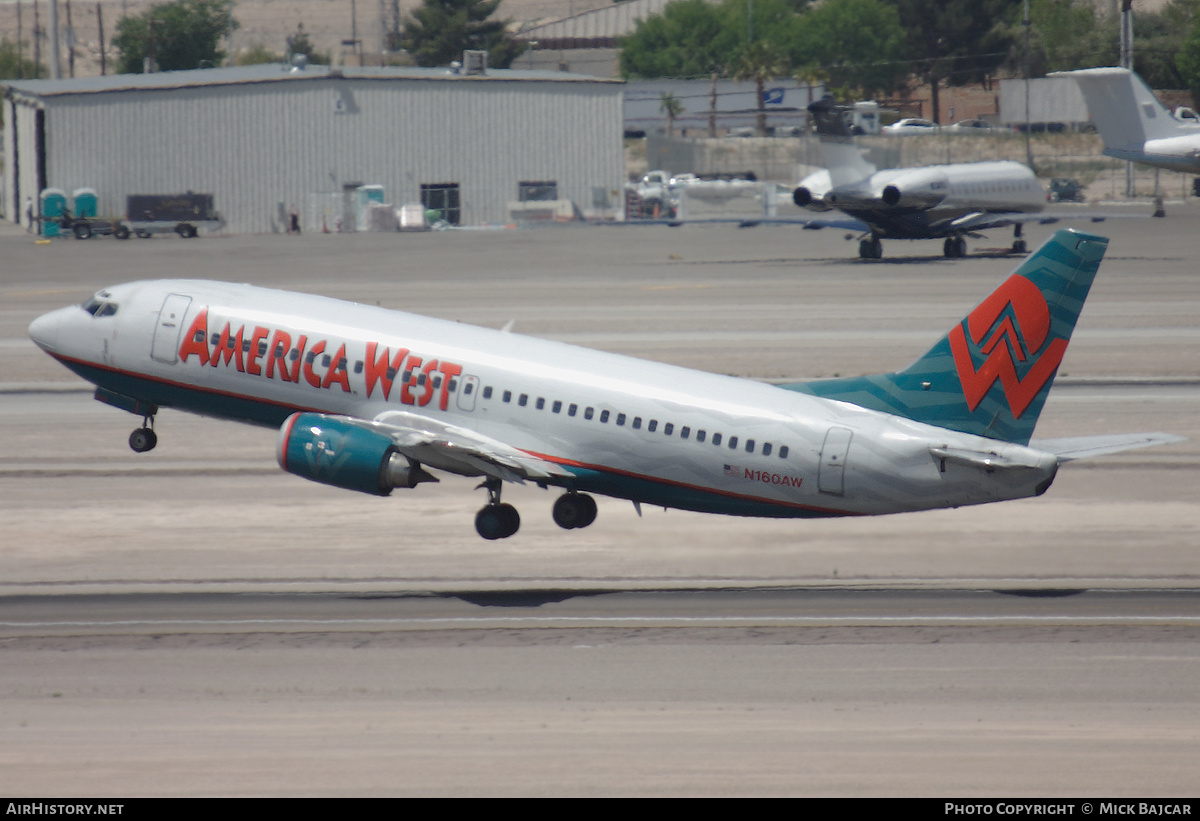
x=805 y=199
x=337 y=451
x=915 y=191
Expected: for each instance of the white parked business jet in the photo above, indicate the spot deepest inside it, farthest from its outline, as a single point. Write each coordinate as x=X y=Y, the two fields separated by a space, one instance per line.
x=1133 y=123
x=949 y=202
x=370 y=399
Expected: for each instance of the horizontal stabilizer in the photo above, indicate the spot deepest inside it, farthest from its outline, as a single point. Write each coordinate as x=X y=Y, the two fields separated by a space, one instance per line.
x=1084 y=447
x=987 y=460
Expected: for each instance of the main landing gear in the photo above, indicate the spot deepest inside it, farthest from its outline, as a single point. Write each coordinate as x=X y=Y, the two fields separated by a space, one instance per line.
x=573 y=510
x=954 y=247
x=498 y=520
x=870 y=248
x=144 y=438
x=1018 y=246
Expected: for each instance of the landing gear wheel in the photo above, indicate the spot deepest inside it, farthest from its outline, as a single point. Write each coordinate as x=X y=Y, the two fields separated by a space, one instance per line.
x=870 y=248
x=497 y=521
x=573 y=510
x=954 y=247
x=142 y=440
x=1019 y=246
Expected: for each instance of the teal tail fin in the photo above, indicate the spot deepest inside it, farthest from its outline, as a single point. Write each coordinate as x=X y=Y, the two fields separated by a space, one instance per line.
x=991 y=373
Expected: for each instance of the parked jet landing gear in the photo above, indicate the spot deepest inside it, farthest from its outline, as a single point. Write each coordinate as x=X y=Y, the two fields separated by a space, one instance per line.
x=144 y=438
x=496 y=520
x=954 y=247
x=870 y=248
x=573 y=510
x=1018 y=246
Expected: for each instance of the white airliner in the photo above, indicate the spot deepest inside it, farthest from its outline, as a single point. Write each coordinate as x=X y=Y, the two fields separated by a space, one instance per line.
x=949 y=202
x=1133 y=123
x=370 y=399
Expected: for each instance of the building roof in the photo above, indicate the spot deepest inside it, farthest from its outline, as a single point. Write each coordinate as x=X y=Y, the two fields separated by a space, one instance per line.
x=592 y=29
x=274 y=72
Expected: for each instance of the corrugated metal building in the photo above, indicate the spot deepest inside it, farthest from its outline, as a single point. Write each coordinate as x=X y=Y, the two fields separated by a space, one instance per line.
x=263 y=139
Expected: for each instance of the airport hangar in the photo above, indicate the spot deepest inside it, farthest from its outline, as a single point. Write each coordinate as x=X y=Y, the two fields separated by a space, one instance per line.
x=264 y=139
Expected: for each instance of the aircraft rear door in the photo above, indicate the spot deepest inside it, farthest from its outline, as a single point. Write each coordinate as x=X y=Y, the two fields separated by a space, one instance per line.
x=831 y=474
x=170 y=324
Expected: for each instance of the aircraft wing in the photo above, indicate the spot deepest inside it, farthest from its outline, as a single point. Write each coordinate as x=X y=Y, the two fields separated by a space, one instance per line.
x=1084 y=447
x=459 y=450
x=983 y=220
x=813 y=224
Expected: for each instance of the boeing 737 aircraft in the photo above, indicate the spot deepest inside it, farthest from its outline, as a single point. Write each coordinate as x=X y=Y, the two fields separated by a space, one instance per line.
x=1133 y=123
x=933 y=202
x=371 y=400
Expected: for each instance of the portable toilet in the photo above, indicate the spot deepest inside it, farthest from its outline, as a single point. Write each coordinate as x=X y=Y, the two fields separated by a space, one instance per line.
x=85 y=202
x=367 y=194
x=53 y=205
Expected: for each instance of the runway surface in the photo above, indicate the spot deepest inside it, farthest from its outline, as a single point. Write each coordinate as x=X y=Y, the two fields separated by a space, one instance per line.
x=193 y=621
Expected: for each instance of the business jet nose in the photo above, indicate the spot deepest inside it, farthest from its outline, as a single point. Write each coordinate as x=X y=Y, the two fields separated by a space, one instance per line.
x=44 y=330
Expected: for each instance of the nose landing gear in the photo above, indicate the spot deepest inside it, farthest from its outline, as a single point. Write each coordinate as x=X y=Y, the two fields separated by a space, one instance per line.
x=144 y=438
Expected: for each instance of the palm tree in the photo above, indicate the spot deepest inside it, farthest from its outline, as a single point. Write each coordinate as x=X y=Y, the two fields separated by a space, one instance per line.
x=670 y=105
x=762 y=60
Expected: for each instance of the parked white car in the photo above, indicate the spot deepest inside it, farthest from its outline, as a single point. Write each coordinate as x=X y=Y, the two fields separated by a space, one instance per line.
x=911 y=125
x=975 y=126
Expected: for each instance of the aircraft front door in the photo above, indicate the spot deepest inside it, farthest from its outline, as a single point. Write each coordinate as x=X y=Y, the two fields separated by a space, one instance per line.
x=831 y=474
x=466 y=393
x=170 y=324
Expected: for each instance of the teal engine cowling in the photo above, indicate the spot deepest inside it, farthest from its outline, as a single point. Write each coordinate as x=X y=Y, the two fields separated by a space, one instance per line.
x=342 y=452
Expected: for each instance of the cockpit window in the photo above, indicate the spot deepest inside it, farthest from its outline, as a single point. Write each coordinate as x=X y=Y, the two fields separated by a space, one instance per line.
x=98 y=307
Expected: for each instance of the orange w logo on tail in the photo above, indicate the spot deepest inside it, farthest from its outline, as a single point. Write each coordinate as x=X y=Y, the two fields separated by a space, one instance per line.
x=1025 y=340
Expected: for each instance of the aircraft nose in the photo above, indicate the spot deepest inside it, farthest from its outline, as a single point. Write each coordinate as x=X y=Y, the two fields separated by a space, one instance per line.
x=44 y=330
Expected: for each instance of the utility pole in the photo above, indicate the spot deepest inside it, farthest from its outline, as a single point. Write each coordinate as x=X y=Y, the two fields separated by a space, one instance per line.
x=1127 y=62
x=20 y=45
x=55 y=57
x=100 y=22
x=1028 y=143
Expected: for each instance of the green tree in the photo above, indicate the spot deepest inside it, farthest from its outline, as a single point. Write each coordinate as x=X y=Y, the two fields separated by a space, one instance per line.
x=671 y=106
x=180 y=35
x=299 y=43
x=15 y=66
x=257 y=54
x=694 y=38
x=1188 y=62
x=855 y=46
x=439 y=31
x=1158 y=39
x=1063 y=35
x=955 y=42
x=760 y=61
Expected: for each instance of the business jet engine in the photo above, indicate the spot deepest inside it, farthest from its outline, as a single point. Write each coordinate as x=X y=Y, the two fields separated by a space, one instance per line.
x=345 y=453
x=919 y=190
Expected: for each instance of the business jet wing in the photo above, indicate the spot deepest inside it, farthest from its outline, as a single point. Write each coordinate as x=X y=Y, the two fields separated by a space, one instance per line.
x=813 y=224
x=1071 y=448
x=983 y=220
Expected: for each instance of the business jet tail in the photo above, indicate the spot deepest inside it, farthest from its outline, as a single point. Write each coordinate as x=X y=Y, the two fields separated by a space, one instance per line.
x=991 y=373
x=1124 y=109
x=841 y=155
